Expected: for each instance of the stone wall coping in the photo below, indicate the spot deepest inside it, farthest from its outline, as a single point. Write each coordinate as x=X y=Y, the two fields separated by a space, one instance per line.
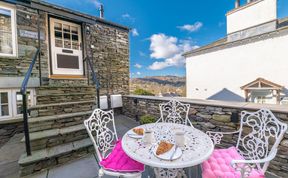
x=215 y=103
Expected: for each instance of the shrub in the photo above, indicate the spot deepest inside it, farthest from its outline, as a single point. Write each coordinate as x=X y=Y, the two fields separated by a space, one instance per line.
x=147 y=119
x=140 y=91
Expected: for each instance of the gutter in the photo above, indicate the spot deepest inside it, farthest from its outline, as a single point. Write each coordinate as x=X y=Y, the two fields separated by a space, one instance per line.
x=66 y=13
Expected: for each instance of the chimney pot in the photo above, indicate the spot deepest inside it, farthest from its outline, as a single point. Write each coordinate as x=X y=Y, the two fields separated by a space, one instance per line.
x=101 y=11
x=237 y=3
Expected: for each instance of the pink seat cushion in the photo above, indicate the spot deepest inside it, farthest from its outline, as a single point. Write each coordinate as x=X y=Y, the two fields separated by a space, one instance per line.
x=218 y=165
x=118 y=161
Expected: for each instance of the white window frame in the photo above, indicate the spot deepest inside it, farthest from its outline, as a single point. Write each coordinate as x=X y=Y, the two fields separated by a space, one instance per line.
x=12 y=102
x=9 y=104
x=13 y=27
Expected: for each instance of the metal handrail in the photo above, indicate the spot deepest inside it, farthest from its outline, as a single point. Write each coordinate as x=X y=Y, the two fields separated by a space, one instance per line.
x=24 y=102
x=95 y=80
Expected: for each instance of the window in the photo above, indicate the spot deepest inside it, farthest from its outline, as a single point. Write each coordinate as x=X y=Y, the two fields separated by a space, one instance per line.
x=7 y=31
x=11 y=103
x=5 y=110
x=260 y=99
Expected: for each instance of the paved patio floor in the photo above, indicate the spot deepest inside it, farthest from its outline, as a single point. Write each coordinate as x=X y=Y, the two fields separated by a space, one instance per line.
x=86 y=167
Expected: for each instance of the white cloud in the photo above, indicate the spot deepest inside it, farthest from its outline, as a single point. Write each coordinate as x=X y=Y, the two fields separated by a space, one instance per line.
x=170 y=49
x=191 y=27
x=138 y=66
x=142 y=54
x=138 y=73
x=163 y=46
x=125 y=16
x=128 y=17
x=134 y=32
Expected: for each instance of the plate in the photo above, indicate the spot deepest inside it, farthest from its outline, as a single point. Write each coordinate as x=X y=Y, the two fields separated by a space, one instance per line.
x=167 y=155
x=132 y=134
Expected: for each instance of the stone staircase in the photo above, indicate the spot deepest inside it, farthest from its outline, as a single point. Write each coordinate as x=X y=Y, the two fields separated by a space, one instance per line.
x=57 y=133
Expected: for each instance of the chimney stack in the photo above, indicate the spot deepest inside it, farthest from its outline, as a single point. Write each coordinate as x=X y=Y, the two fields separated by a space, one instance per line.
x=101 y=11
x=237 y=3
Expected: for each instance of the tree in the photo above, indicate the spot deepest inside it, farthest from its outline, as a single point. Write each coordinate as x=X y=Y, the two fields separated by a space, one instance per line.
x=140 y=91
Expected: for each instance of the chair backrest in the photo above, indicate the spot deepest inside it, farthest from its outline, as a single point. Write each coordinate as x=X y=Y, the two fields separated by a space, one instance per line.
x=260 y=134
x=175 y=112
x=102 y=132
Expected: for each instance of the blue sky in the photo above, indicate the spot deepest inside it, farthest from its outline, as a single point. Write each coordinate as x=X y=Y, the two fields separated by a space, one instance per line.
x=163 y=30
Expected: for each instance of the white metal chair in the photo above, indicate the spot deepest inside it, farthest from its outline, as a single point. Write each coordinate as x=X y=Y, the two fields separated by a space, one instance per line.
x=175 y=112
x=263 y=128
x=101 y=129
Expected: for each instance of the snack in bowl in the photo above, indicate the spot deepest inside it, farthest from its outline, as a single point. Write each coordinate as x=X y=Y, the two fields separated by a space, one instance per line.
x=139 y=131
x=163 y=147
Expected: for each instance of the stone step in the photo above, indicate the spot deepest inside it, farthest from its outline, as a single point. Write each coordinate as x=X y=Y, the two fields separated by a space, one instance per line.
x=54 y=156
x=61 y=108
x=64 y=97
x=57 y=121
x=49 y=138
x=48 y=90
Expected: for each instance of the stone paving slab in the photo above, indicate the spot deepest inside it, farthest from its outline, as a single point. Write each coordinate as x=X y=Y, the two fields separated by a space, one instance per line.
x=9 y=155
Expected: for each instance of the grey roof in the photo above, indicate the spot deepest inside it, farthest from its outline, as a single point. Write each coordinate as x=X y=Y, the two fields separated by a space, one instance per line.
x=39 y=3
x=282 y=29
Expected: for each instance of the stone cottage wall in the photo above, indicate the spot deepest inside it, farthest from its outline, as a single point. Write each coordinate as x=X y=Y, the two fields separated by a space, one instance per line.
x=110 y=57
x=27 y=20
x=214 y=116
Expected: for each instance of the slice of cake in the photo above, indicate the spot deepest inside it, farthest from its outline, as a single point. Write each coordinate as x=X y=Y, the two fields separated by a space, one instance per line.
x=163 y=147
x=139 y=131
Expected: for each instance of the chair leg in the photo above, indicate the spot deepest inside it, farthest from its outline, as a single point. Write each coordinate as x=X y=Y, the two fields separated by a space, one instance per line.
x=100 y=173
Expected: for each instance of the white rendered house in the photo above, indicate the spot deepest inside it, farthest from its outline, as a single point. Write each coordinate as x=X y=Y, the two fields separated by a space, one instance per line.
x=249 y=64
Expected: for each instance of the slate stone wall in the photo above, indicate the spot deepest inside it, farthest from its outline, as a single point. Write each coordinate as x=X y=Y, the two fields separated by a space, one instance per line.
x=8 y=130
x=27 y=19
x=206 y=115
x=110 y=57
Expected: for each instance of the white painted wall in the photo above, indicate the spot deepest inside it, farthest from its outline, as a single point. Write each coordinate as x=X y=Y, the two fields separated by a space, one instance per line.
x=261 y=12
x=234 y=67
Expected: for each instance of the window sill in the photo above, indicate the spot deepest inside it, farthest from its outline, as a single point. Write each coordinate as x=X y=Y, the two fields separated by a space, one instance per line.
x=8 y=57
x=11 y=120
x=73 y=77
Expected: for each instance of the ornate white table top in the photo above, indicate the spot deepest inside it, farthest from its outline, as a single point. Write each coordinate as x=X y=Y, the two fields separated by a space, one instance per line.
x=198 y=146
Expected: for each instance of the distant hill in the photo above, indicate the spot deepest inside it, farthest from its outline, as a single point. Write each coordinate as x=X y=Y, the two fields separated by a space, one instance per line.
x=160 y=84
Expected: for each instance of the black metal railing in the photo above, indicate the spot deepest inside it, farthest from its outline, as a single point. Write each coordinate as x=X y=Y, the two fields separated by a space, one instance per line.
x=24 y=102
x=95 y=80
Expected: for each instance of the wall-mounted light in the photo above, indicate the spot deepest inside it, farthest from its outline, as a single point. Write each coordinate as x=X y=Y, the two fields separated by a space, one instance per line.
x=88 y=31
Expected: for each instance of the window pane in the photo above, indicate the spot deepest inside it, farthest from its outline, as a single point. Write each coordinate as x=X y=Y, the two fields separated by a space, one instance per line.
x=6 y=46
x=58 y=26
x=75 y=37
x=58 y=34
x=67 y=36
x=19 y=101
x=4 y=110
x=74 y=30
x=66 y=28
x=67 y=44
x=4 y=98
x=58 y=43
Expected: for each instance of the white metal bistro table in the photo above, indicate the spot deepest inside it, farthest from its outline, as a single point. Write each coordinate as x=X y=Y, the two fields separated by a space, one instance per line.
x=198 y=146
